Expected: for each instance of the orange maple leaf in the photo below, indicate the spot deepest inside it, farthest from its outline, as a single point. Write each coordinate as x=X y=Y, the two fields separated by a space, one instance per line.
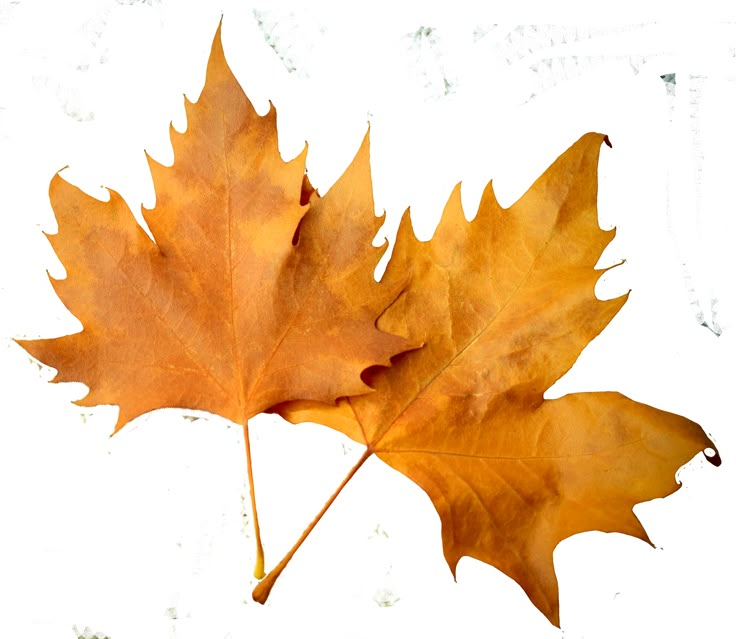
x=504 y=306
x=248 y=297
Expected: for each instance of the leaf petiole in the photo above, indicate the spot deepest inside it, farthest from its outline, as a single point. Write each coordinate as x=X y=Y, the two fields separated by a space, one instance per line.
x=259 y=568
x=263 y=589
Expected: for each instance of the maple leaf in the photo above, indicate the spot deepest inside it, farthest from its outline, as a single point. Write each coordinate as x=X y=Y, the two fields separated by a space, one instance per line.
x=504 y=306
x=249 y=295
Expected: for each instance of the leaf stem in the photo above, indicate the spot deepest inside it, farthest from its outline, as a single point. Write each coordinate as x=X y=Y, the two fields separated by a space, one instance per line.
x=258 y=570
x=263 y=589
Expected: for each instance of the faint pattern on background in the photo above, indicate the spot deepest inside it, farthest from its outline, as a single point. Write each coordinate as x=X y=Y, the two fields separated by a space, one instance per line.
x=88 y=633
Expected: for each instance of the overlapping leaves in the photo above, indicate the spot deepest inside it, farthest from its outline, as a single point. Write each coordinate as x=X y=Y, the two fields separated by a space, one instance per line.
x=259 y=295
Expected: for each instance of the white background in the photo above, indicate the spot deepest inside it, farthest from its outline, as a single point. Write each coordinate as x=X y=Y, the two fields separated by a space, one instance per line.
x=147 y=534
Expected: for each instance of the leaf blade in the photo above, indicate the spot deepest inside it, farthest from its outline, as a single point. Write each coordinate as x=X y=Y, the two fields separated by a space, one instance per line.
x=505 y=304
x=226 y=311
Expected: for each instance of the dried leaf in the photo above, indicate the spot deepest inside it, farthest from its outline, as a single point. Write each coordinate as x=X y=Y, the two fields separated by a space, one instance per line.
x=504 y=306
x=248 y=297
